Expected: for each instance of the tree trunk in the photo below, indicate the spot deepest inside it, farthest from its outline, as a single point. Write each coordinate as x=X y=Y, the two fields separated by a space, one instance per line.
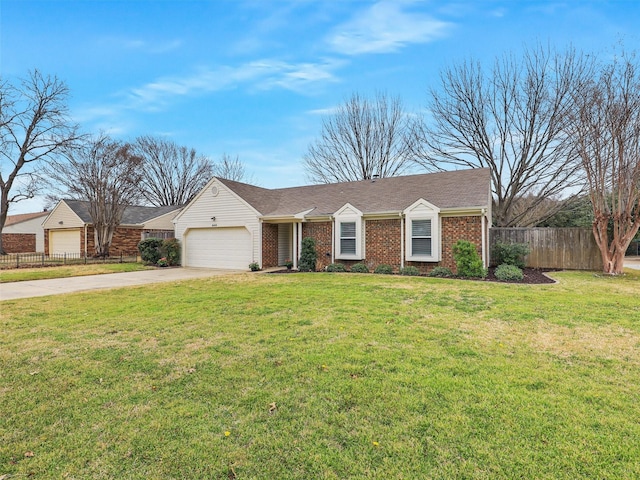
x=612 y=251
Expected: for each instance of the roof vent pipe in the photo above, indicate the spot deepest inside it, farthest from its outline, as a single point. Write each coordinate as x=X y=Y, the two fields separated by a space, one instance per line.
x=375 y=177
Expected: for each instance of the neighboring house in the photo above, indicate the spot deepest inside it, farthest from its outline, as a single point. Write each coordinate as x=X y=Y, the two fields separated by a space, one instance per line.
x=23 y=233
x=399 y=221
x=68 y=228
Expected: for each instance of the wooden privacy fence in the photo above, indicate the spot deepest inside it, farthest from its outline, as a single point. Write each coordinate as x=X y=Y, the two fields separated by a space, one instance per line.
x=563 y=248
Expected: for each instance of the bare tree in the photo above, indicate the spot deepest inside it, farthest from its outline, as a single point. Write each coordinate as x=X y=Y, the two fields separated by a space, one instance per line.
x=105 y=173
x=34 y=127
x=173 y=175
x=362 y=139
x=232 y=169
x=606 y=128
x=511 y=120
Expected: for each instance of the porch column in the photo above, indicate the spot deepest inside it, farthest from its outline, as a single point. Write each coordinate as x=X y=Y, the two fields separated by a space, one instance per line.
x=294 y=245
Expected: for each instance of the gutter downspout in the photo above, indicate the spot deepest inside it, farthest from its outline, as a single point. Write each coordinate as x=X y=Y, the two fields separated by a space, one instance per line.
x=485 y=260
x=402 y=222
x=333 y=239
x=85 y=240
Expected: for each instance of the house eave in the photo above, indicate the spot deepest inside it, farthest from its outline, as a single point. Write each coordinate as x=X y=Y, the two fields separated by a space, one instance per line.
x=459 y=211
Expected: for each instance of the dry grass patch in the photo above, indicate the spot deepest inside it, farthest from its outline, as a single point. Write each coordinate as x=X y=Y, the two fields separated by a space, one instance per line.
x=602 y=341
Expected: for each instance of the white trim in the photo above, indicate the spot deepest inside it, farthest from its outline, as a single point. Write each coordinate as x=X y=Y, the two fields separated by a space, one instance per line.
x=423 y=210
x=349 y=214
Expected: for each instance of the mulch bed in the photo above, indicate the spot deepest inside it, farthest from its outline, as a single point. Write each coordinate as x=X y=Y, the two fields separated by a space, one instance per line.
x=533 y=276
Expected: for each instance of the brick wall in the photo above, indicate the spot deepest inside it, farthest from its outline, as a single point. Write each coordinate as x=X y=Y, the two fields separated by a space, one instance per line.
x=269 y=245
x=19 y=242
x=459 y=228
x=125 y=240
x=383 y=243
x=321 y=233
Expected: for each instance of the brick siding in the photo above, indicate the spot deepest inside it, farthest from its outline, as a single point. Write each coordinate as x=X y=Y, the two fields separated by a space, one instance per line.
x=321 y=233
x=459 y=228
x=382 y=242
x=19 y=242
x=269 y=245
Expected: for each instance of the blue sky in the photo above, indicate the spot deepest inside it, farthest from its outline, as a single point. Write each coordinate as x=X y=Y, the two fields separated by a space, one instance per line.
x=254 y=78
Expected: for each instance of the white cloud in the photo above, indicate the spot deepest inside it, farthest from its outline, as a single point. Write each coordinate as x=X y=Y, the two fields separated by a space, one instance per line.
x=137 y=44
x=385 y=28
x=265 y=74
x=261 y=75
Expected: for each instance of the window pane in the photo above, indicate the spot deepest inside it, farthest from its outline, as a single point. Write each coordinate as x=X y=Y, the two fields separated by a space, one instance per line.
x=348 y=246
x=421 y=246
x=421 y=228
x=348 y=230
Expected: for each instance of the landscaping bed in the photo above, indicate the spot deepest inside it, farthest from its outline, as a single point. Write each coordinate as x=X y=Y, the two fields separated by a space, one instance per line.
x=532 y=276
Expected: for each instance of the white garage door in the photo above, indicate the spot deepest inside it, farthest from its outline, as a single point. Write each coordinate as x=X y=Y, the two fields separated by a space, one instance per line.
x=218 y=248
x=64 y=241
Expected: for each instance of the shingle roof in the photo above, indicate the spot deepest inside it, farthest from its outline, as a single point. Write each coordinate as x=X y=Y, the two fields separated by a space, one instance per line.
x=23 y=217
x=446 y=190
x=133 y=215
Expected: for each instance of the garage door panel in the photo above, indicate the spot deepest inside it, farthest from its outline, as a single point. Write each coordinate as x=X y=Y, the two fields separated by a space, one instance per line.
x=65 y=241
x=218 y=248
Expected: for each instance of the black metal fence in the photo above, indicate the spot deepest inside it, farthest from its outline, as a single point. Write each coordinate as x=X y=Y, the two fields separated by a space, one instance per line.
x=634 y=249
x=23 y=260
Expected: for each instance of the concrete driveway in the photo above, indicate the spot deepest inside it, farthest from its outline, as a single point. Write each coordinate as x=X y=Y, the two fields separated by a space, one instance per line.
x=632 y=262
x=41 y=288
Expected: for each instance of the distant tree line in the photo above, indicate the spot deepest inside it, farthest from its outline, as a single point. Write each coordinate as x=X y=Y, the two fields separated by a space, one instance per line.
x=559 y=132
x=42 y=149
x=553 y=128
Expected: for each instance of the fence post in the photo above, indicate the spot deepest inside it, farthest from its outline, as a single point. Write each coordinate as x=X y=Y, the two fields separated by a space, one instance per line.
x=43 y=259
x=120 y=256
x=64 y=258
x=17 y=260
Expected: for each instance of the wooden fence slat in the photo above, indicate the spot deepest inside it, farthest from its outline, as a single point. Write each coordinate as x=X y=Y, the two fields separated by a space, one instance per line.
x=563 y=248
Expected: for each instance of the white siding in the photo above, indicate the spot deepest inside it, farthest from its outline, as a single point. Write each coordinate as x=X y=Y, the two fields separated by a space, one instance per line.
x=164 y=222
x=62 y=213
x=227 y=209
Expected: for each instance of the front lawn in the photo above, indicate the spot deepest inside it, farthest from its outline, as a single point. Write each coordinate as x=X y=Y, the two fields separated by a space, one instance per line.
x=325 y=376
x=42 y=273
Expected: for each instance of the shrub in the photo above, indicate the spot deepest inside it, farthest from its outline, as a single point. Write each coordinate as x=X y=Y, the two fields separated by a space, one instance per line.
x=170 y=250
x=510 y=254
x=254 y=266
x=410 y=271
x=441 y=272
x=468 y=262
x=383 y=269
x=508 y=272
x=336 y=267
x=308 y=255
x=150 y=250
x=359 y=268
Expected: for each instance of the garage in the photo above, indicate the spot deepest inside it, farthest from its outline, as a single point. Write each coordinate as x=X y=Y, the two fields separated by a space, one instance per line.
x=64 y=241
x=218 y=248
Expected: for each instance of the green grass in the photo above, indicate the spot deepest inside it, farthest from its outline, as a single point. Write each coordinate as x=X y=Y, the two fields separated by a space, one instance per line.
x=28 y=274
x=372 y=377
